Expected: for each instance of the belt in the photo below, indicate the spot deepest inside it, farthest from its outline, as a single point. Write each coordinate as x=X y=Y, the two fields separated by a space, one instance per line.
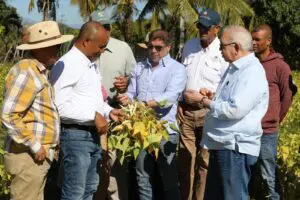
x=79 y=127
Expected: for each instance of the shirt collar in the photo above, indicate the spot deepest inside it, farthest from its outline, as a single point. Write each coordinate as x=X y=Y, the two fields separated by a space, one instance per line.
x=214 y=46
x=163 y=62
x=243 y=61
x=109 y=46
x=40 y=66
x=80 y=55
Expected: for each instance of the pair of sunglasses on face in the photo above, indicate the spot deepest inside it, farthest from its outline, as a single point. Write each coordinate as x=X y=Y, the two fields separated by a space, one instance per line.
x=156 y=47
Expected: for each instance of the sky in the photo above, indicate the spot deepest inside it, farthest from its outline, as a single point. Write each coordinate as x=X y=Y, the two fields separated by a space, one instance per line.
x=66 y=12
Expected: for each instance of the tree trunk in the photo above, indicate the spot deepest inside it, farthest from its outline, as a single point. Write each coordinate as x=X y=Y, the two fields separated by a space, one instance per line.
x=46 y=10
x=128 y=21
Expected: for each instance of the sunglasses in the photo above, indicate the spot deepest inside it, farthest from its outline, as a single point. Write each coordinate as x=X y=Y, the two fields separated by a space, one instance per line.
x=156 y=47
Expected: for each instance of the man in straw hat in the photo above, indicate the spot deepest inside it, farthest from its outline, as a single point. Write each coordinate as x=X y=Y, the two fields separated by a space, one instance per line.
x=29 y=113
x=83 y=113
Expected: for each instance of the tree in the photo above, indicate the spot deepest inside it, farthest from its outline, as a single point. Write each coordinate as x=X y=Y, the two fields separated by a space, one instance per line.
x=10 y=24
x=284 y=18
x=86 y=7
x=47 y=7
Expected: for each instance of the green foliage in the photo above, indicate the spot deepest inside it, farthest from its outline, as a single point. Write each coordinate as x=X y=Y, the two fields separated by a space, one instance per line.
x=289 y=149
x=4 y=177
x=140 y=130
x=284 y=18
x=10 y=23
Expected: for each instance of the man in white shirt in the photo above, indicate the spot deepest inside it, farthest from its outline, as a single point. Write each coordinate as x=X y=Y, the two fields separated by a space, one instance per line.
x=115 y=65
x=205 y=66
x=233 y=128
x=84 y=114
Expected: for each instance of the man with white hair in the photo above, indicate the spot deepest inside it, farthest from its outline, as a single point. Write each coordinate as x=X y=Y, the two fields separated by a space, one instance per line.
x=232 y=127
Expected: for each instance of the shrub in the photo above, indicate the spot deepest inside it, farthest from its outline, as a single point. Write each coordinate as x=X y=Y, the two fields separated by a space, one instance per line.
x=289 y=148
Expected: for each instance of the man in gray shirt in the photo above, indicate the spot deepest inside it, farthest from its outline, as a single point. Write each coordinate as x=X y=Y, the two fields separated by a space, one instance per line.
x=115 y=64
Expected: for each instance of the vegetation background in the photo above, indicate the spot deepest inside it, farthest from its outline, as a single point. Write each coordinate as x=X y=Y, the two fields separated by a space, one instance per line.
x=178 y=18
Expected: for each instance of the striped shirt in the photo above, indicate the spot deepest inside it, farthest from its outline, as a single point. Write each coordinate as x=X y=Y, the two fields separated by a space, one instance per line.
x=28 y=111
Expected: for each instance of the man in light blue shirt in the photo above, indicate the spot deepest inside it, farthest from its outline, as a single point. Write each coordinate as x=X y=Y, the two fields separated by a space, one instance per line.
x=232 y=128
x=155 y=79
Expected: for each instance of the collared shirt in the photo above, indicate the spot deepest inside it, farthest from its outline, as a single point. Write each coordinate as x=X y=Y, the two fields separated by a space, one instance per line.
x=241 y=100
x=191 y=47
x=28 y=110
x=164 y=82
x=117 y=60
x=77 y=86
x=205 y=67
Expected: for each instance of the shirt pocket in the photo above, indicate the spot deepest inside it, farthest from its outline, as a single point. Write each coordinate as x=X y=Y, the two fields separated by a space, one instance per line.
x=212 y=71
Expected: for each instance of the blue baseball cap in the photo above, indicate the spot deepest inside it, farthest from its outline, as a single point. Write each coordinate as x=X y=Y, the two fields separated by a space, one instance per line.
x=208 y=17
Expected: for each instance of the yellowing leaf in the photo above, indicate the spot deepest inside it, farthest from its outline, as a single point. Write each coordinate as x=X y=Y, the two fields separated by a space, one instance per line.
x=139 y=127
x=118 y=128
x=136 y=153
x=156 y=153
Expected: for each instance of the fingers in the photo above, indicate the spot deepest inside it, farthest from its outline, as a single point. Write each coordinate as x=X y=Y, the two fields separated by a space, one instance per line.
x=40 y=155
x=123 y=99
x=120 y=83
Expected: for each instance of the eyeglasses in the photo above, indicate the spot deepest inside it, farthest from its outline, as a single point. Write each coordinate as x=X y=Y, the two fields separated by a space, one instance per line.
x=224 y=45
x=156 y=47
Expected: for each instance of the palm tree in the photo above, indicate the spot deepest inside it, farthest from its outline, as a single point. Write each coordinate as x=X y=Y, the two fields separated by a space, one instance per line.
x=45 y=6
x=86 y=7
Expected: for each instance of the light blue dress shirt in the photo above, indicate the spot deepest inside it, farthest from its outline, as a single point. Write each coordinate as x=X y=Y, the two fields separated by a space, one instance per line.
x=164 y=82
x=240 y=102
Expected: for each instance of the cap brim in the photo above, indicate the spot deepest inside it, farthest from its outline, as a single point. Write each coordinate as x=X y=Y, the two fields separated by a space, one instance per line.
x=142 y=45
x=204 y=22
x=60 y=40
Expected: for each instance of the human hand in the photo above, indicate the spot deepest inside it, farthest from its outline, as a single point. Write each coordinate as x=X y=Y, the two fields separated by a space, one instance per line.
x=122 y=99
x=116 y=115
x=101 y=124
x=192 y=97
x=206 y=92
x=121 y=83
x=40 y=155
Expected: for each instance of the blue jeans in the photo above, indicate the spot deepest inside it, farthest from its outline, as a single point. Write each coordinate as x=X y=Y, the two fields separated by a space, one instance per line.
x=167 y=168
x=267 y=164
x=228 y=175
x=81 y=153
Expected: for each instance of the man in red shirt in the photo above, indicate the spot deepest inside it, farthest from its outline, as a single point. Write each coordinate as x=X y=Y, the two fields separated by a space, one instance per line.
x=279 y=78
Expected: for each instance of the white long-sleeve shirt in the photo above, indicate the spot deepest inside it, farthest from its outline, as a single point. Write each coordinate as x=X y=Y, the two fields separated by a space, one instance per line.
x=205 y=66
x=77 y=87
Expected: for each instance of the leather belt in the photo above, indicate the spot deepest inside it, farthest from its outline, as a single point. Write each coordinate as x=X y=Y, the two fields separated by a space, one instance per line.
x=79 y=127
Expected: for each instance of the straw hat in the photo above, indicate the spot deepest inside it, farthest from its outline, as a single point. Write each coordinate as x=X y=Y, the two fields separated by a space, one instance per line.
x=144 y=44
x=44 y=34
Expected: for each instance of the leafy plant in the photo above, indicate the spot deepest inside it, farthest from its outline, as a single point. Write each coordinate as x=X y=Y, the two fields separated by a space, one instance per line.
x=139 y=130
x=5 y=178
x=289 y=149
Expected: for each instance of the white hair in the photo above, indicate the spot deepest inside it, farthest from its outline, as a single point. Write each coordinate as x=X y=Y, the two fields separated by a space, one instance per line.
x=239 y=35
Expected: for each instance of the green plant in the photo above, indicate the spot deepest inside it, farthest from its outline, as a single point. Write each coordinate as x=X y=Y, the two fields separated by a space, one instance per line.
x=289 y=149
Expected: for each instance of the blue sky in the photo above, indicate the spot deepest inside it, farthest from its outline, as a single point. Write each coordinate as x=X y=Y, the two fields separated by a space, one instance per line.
x=66 y=12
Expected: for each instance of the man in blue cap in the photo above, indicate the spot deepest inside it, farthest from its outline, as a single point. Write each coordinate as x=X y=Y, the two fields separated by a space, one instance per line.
x=115 y=65
x=205 y=66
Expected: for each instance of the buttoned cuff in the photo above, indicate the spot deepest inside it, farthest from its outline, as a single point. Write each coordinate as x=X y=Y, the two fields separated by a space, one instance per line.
x=36 y=147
